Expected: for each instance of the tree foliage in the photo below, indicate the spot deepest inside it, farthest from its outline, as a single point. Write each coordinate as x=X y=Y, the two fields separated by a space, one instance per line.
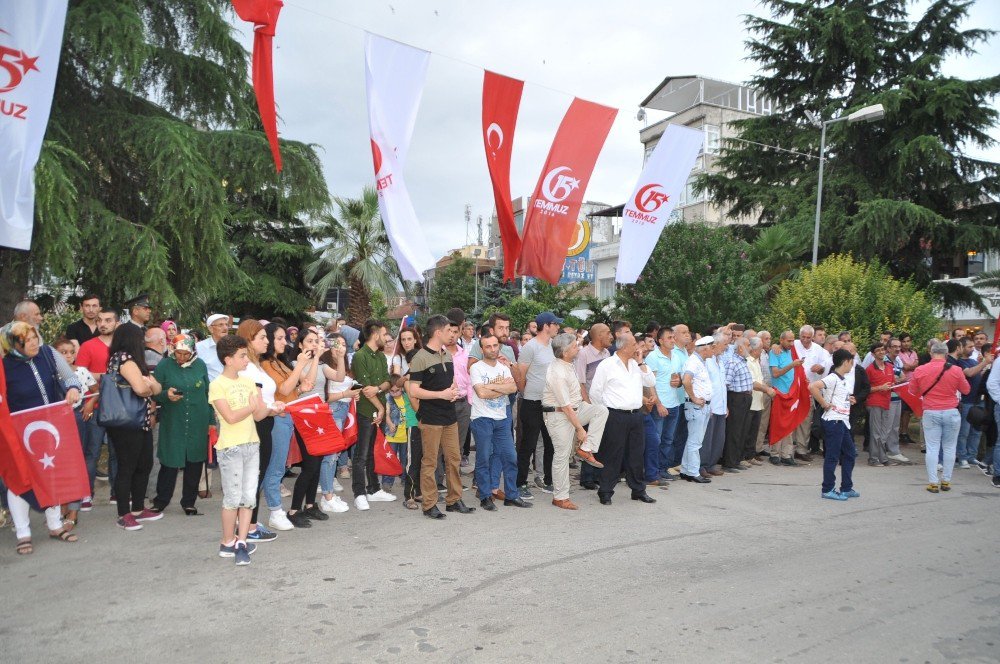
x=521 y=311
x=843 y=294
x=697 y=275
x=904 y=190
x=494 y=292
x=560 y=299
x=454 y=286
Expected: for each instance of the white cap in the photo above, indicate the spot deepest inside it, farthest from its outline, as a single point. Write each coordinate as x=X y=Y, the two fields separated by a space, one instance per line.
x=215 y=317
x=705 y=341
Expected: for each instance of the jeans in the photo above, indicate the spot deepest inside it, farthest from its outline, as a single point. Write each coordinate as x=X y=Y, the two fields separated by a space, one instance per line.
x=400 y=450
x=532 y=425
x=668 y=430
x=940 y=433
x=652 y=427
x=680 y=437
x=838 y=446
x=264 y=429
x=92 y=437
x=239 y=470
x=363 y=479
x=697 y=422
x=967 y=448
x=328 y=468
x=495 y=443
x=281 y=438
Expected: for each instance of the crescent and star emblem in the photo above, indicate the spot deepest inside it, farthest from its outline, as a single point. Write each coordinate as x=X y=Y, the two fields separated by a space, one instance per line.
x=47 y=460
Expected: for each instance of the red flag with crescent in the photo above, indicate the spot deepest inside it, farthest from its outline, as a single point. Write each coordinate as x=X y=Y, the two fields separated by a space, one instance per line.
x=789 y=410
x=15 y=469
x=351 y=424
x=314 y=422
x=501 y=101
x=51 y=442
x=264 y=15
x=555 y=205
x=386 y=461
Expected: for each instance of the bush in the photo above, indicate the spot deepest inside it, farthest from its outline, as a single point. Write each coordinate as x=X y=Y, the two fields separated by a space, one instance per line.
x=521 y=311
x=842 y=294
x=697 y=275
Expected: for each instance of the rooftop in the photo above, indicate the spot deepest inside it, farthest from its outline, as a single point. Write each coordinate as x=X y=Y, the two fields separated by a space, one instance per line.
x=678 y=93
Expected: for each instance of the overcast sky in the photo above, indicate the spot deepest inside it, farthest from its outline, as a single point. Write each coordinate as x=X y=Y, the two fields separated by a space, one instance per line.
x=614 y=53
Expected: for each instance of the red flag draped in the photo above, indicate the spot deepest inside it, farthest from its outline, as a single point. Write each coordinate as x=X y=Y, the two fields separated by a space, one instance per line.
x=386 y=461
x=15 y=468
x=501 y=100
x=915 y=402
x=314 y=422
x=51 y=442
x=351 y=424
x=558 y=195
x=264 y=15
x=789 y=410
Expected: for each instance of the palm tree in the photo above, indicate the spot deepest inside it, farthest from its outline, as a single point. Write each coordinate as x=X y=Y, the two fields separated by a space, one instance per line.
x=358 y=253
x=778 y=251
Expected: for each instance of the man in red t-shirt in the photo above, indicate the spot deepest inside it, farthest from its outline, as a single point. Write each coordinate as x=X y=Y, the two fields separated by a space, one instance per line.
x=882 y=378
x=93 y=356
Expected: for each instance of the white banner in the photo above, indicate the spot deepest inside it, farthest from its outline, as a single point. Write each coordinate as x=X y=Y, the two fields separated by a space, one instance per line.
x=654 y=198
x=31 y=34
x=395 y=76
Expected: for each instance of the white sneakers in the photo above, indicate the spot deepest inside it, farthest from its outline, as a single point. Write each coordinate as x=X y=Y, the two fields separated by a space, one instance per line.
x=361 y=503
x=335 y=505
x=381 y=496
x=899 y=457
x=337 y=486
x=963 y=464
x=279 y=521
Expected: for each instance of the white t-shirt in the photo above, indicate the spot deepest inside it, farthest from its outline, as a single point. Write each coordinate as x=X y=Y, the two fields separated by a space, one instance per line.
x=812 y=356
x=701 y=382
x=837 y=393
x=483 y=374
x=260 y=377
x=337 y=388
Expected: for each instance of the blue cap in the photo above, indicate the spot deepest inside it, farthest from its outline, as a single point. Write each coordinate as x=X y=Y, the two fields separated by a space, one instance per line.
x=546 y=318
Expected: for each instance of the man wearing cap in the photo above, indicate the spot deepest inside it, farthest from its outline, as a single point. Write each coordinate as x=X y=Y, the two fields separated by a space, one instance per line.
x=697 y=409
x=618 y=385
x=218 y=327
x=533 y=364
x=139 y=311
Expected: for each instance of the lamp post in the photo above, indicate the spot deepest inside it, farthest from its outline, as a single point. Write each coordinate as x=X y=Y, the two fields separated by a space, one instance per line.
x=475 y=253
x=866 y=114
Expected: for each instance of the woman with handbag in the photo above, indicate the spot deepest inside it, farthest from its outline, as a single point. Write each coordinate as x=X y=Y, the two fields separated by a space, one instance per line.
x=185 y=415
x=34 y=377
x=125 y=411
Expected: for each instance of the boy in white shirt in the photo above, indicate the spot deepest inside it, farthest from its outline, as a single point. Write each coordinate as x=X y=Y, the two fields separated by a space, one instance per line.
x=833 y=394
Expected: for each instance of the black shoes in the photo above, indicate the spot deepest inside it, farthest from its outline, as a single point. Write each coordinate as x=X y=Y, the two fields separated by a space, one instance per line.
x=487 y=504
x=790 y=462
x=516 y=502
x=589 y=486
x=605 y=500
x=315 y=513
x=299 y=520
x=434 y=513
x=776 y=460
x=697 y=479
x=731 y=469
x=643 y=497
x=459 y=507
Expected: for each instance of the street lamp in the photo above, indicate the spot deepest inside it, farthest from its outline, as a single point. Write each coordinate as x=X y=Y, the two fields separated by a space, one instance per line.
x=475 y=253
x=866 y=114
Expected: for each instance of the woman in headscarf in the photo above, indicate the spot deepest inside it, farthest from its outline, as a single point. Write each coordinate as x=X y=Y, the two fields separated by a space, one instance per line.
x=169 y=328
x=34 y=377
x=185 y=415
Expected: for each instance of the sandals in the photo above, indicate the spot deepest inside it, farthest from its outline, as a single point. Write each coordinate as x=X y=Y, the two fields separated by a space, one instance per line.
x=24 y=547
x=64 y=536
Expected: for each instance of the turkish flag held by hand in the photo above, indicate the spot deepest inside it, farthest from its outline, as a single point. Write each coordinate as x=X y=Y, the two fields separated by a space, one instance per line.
x=915 y=402
x=351 y=424
x=55 y=456
x=14 y=466
x=386 y=461
x=314 y=422
x=789 y=410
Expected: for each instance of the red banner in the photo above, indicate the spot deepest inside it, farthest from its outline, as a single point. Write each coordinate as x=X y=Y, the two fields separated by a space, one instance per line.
x=559 y=193
x=51 y=440
x=15 y=468
x=386 y=461
x=314 y=422
x=501 y=100
x=915 y=402
x=789 y=410
x=351 y=424
x=264 y=15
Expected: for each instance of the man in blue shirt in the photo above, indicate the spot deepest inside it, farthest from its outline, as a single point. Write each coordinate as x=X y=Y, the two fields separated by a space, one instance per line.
x=667 y=411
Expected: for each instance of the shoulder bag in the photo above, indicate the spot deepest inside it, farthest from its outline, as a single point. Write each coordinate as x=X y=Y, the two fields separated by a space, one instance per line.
x=120 y=406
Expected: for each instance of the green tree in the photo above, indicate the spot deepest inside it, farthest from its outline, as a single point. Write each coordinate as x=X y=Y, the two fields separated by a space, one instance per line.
x=842 y=294
x=905 y=189
x=560 y=299
x=521 y=311
x=494 y=292
x=778 y=252
x=357 y=251
x=378 y=303
x=454 y=286
x=697 y=275
x=152 y=117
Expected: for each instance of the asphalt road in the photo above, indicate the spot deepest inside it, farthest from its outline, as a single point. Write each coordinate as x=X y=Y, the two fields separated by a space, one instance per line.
x=752 y=568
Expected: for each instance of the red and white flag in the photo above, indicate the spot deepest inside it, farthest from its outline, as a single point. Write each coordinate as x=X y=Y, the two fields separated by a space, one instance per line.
x=15 y=468
x=551 y=221
x=914 y=401
x=351 y=424
x=501 y=100
x=314 y=422
x=51 y=440
x=386 y=461
x=264 y=15
x=395 y=74
x=30 y=39
x=654 y=198
x=788 y=411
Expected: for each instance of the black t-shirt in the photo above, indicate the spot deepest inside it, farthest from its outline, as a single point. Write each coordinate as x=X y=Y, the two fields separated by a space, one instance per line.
x=434 y=372
x=81 y=332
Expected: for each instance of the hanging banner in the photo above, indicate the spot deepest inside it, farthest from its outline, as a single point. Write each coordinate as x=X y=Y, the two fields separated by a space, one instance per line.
x=659 y=187
x=551 y=222
x=30 y=39
x=395 y=74
x=578 y=266
x=501 y=100
x=264 y=15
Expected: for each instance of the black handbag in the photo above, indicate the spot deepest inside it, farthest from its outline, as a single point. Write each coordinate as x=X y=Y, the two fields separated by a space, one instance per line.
x=978 y=418
x=120 y=407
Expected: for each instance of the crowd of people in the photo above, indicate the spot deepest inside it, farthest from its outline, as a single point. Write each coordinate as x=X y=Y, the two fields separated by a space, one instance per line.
x=650 y=408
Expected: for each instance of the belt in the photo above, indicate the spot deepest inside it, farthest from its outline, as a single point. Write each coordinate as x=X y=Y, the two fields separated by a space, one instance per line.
x=707 y=401
x=623 y=410
x=735 y=392
x=553 y=409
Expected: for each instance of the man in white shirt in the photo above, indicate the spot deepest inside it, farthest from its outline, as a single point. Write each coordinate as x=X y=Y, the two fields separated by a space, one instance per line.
x=218 y=327
x=814 y=360
x=697 y=409
x=618 y=385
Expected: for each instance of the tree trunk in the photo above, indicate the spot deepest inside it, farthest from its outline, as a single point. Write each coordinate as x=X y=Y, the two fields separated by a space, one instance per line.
x=359 y=309
x=15 y=268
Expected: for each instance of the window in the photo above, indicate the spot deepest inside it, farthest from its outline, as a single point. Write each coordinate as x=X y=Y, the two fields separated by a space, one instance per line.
x=712 y=139
x=688 y=195
x=648 y=152
x=606 y=288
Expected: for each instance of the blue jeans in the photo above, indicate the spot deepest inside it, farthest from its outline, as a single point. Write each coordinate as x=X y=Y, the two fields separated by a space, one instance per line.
x=92 y=437
x=281 y=437
x=328 y=467
x=941 y=433
x=968 y=436
x=401 y=451
x=494 y=439
x=838 y=448
x=652 y=426
x=679 y=439
x=668 y=429
x=697 y=422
